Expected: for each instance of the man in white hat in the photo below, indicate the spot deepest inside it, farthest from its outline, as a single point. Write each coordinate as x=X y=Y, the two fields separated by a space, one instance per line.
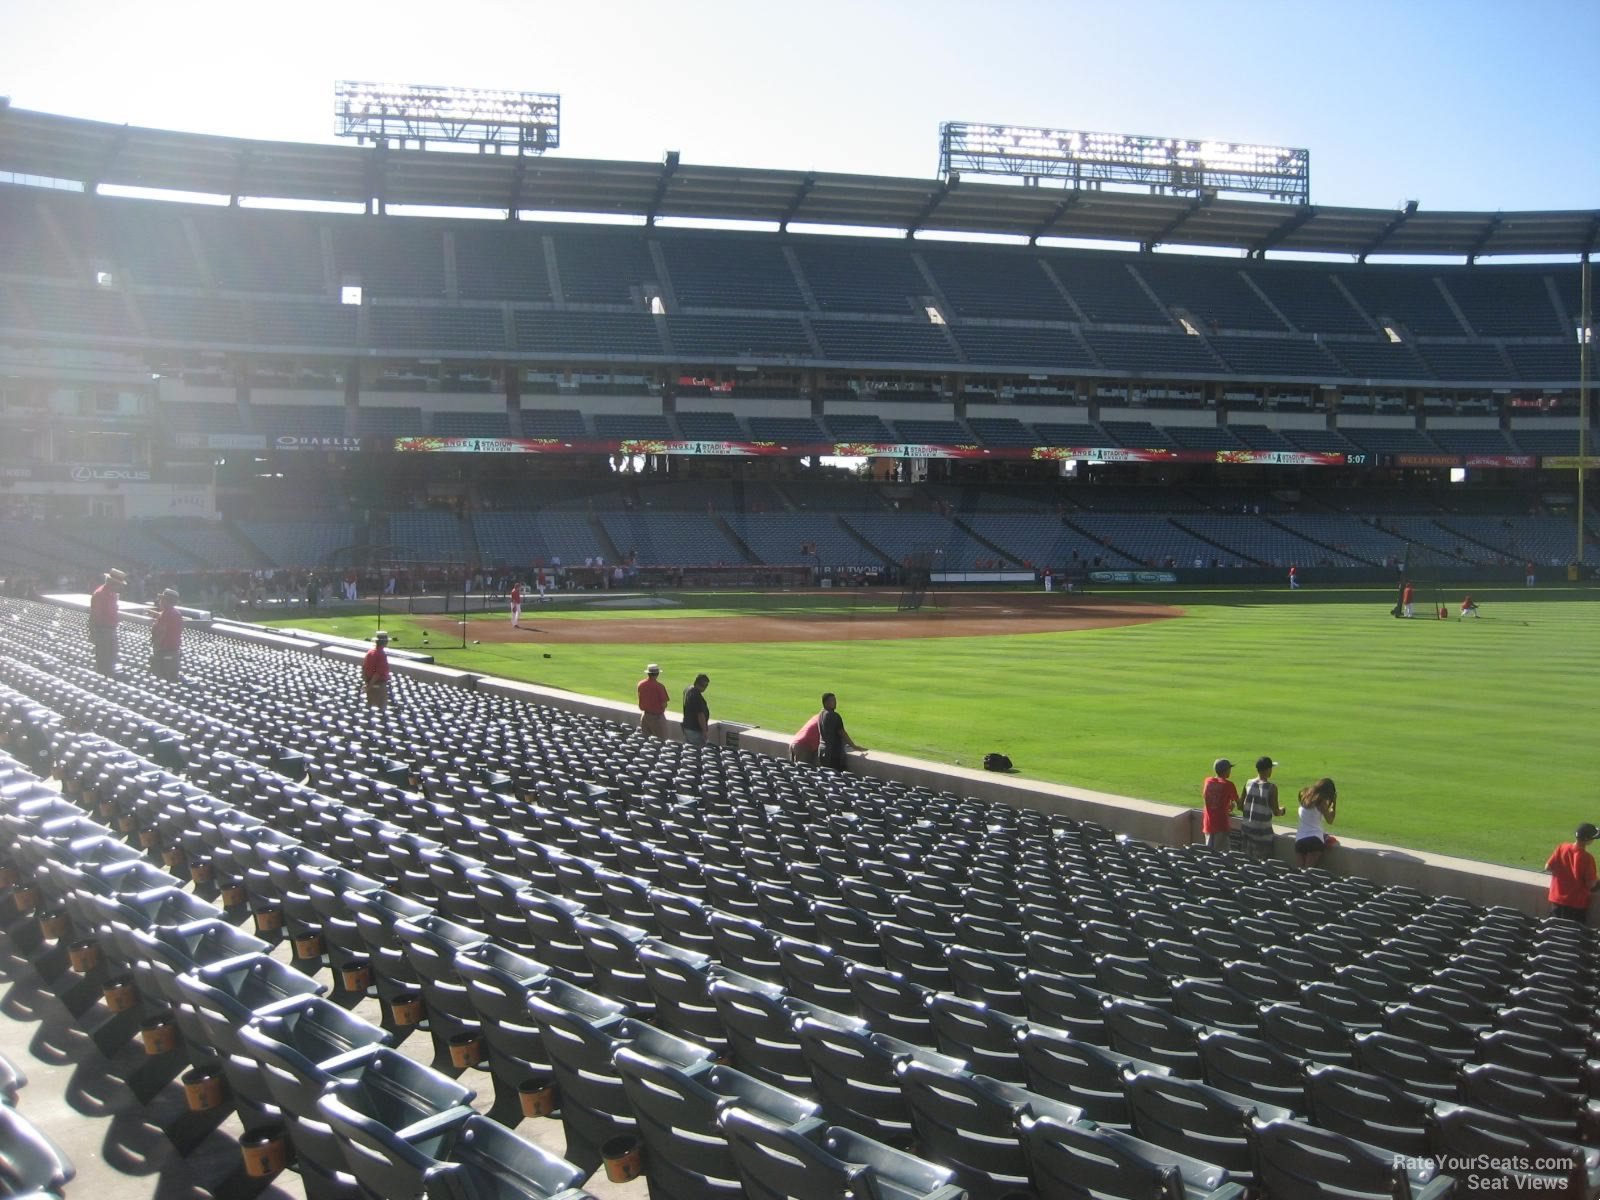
x=653 y=703
x=166 y=636
x=103 y=617
x=375 y=671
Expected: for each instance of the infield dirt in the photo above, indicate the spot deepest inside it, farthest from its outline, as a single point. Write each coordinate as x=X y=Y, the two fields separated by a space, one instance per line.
x=944 y=614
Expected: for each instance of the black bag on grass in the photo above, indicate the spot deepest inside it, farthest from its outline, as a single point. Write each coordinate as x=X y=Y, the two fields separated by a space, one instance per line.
x=996 y=762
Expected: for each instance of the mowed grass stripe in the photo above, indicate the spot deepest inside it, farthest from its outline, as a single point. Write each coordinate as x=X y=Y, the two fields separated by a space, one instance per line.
x=1469 y=738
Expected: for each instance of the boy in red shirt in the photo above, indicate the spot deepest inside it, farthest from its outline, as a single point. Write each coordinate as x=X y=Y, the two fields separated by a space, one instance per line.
x=1572 y=876
x=1221 y=798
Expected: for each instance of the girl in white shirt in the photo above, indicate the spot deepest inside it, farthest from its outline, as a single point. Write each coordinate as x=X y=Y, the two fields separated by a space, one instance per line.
x=1317 y=806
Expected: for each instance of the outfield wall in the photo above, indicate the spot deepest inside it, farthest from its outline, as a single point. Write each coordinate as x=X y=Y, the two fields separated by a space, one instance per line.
x=1158 y=824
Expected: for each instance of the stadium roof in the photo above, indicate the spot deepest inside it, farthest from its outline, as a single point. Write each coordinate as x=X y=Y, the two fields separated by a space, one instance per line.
x=97 y=153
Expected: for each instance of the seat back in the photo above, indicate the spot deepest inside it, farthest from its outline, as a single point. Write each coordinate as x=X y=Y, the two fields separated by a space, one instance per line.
x=1369 y=1108
x=970 y=1030
x=486 y=1161
x=1193 y=1118
x=1084 y=1161
x=1247 y=1066
x=1296 y=1159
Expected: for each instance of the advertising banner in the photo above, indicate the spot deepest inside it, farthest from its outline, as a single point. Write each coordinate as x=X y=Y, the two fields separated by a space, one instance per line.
x=337 y=443
x=186 y=439
x=1132 y=577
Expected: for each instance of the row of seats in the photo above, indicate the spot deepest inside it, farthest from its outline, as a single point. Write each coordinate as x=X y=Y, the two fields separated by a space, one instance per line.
x=753 y=1013
x=178 y=246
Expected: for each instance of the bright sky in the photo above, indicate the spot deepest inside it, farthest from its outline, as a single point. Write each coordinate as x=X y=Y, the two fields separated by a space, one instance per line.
x=1459 y=104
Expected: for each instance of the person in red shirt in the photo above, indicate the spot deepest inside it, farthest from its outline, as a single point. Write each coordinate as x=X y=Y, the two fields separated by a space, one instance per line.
x=166 y=637
x=103 y=617
x=653 y=703
x=1406 y=594
x=516 y=603
x=375 y=671
x=1221 y=798
x=1572 y=876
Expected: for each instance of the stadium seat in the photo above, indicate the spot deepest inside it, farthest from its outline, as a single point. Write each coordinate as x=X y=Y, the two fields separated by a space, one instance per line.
x=486 y=1161
x=891 y=1004
x=1294 y=1159
x=1215 y=1004
x=1090 y=1077
x=968 y=1123
x=1569 y=1116
x=760 y=1021
x=582 y=1041
x=777 y=1162
x=1412 y=1065
x=30 y=1162
x=1196 y=1119
x=1369 y=1108
x=1154 y=1034
x=1248 y=1066
x=1083 y=1162
x=393 y=1117
x=686 y=1155
x=1502 y=1153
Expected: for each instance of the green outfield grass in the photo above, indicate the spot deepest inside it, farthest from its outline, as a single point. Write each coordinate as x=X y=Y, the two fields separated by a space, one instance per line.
x=1468 y=738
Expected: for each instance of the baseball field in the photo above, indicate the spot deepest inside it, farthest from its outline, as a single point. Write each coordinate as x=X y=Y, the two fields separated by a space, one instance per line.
x=1476 y=738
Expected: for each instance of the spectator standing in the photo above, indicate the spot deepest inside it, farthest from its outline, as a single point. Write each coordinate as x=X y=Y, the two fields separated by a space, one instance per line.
x=104 y=613
x=516 y=603
x=833 y=741
x=166 y=637
x=1221 y=797
x=803 y=746
x=653 y=703
x=375 y=671
x=1258 y=806
x=1572 y=876
x=696 y=712
x=1317 y=806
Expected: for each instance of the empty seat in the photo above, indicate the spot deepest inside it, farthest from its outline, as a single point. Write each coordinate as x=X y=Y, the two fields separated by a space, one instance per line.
x=969 y=1123
x=29 y=1161
x=1569 y=1116
x=393 y=1117
x=677 y=1108
x=1154 y=1034
x=1196 y=1119
x=486 y=1161
x=1293 y=1159
x=1503 y=1154
x=777 y=1162
x=1248 y=1066
x=1369 y=1108
x=1082 y=1161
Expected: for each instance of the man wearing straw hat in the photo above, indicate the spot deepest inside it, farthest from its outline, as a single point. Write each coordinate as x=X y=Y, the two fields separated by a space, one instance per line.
x=166 y=637
x=653 y=703
x=103 y=616
x=375 y=671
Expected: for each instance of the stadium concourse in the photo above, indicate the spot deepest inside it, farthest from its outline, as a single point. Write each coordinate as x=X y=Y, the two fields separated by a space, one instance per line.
x=737 y=975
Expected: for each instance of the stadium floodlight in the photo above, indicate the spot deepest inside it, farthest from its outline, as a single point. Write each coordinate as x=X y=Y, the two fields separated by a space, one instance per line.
x=1081 y=159
x=491 y=120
